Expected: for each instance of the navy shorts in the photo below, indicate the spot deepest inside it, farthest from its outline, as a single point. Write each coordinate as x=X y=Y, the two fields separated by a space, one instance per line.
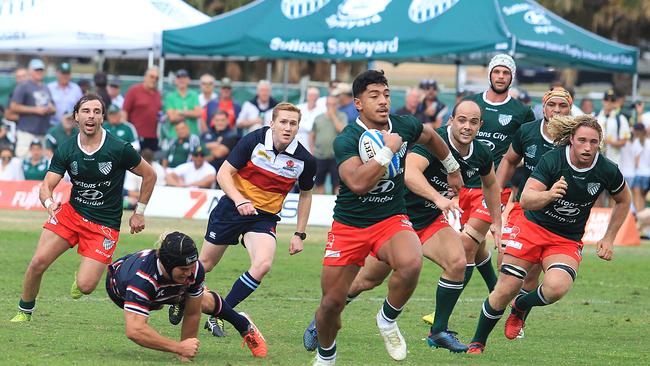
x=226 y=225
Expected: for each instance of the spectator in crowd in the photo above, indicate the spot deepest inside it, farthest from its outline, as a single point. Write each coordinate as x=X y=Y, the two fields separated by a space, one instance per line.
x=326 y=127
x=101 y=82
x=10 y=167
x=196 y=173
x=120 y=128
x=587 y=106
x=641 y=181
x=331 y=86
x=65 y=93
x=179 y=150
x=85 y=86
x=223 y=103
x=308 y=112
x=33 y=103
x=132 y=182
x=114 y=91
x=219 y=140
x=20 y=75
x=524 y=97
x=433 y=109
x=616 y=130
x=206 y=83
x=460 y=95
x=58 y=134
x=35 y=166
x=142 y=104
x=257 y=112
x=346 y=101
x=181 y=105
x=412 y=100
x=6 y=140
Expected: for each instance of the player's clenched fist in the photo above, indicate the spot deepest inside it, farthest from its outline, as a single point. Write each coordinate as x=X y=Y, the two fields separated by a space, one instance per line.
x=188 y=347
x=392 y=140
x=558 y=190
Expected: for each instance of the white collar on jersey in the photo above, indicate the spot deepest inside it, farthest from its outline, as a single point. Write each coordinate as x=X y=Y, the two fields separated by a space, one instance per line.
x=541 y=130
x=99 y=147
x=390 y=125
x=492 y=103
x=579 y=170
x=159 y=266
x=451 y=142
x=268 y=143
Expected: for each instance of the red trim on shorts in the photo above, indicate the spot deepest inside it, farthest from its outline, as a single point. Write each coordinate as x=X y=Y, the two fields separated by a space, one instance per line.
x=94 y=241
x=427 y=232
x=533 y=243
x=348 y=245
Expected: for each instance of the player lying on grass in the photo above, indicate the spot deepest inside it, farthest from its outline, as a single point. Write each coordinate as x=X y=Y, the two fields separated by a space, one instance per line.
x=557 y=201
x=426 y=201
x=145 y=281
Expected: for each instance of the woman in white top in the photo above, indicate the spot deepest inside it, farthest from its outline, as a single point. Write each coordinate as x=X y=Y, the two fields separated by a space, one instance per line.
x=642 y=164
x=11 y=168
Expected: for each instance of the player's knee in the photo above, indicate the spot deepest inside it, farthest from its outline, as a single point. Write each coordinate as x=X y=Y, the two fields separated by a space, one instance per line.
x=331 y=305
x=262 y=267
x=410 y=269
x=85 y=286
x=38 y=265
x=457 y=266
x=558 y=281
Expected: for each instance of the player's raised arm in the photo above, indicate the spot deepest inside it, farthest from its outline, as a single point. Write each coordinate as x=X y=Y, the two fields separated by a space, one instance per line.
x=605 y=246
x=440 y=150
x=536 y=196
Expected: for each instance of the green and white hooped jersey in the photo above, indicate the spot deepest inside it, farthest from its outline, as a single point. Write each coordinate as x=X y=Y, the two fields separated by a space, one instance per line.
x=500 y=122
x=477 y=163
x=387 y=198
x=568 y=215
x=97 y=177
x=531 y=144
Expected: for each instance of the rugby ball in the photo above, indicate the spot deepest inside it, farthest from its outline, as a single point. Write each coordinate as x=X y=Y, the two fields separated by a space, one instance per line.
x=370 y=142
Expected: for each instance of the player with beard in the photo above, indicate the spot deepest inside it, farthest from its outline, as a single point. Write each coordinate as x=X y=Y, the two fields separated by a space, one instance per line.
x=370 y=215
x=530 y=143
x=96 y=162
x=557 y=199
x=502 y=117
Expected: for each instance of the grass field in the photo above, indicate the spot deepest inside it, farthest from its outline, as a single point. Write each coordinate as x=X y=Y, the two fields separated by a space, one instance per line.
x=604 y=319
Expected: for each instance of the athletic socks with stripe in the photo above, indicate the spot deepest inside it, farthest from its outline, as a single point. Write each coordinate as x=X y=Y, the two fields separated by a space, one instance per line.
x=241 y=289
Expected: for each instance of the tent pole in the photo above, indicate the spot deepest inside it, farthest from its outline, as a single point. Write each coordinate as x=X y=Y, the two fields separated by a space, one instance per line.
x=161 y=73
x=150 y=59
x=269 y=70
x=332 y=70
x=635 y=85
x=457 y=62
x=285 y=81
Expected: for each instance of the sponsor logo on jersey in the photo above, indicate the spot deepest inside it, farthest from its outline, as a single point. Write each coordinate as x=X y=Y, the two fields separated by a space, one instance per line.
x=296 y=9
x=290 y=165
x=212 y=235
x=488 y=143
x=421 y=11
x=531 y=151
x=593 y=188
x=108 y=244
x=105 y=167
x=504 y=119
x=74 y=168
x=263 y=154
x=357 y=13
x=91 y=194
x=470 y=172
x=566 y=210
x=383 y=186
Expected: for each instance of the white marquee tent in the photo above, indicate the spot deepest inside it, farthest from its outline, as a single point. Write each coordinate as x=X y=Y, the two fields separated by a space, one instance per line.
x=115 y=28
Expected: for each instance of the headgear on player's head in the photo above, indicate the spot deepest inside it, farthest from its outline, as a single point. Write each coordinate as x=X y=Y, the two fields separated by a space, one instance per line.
x=176 y=250
x=504 y=60
x=557 y=92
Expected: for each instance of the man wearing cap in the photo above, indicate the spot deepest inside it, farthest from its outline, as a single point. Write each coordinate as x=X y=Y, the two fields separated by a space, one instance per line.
x=223 y=103
x=113 y=89
x=196 y=173
x=616 y=128
x=123 y=130
x=144 y=281
x=35 y=166
x=58 y=134
x=65 y=93
x=433 y=109
x=181 y=105
x=256 y=113
x=32 y=102
x=346 y=102
x=142 y=103
x=502 y=117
